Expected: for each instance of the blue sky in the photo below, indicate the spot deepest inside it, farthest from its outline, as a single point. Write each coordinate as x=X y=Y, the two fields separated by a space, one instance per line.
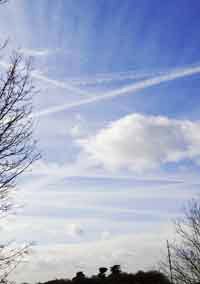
x=117 y=120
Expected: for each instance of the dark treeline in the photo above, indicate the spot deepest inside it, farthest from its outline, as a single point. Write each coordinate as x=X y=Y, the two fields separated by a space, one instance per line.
x=115 y=275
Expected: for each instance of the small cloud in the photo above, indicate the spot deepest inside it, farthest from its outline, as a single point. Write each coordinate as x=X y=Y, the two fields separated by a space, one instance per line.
x=75 y=230
x=105 y=235
x=76 y=131
x=80 y=128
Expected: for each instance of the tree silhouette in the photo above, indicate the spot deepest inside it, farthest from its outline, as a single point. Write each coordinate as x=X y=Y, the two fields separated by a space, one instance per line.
x=80 y=276
x=185 y=253
x=17 y=149
x=102 y=272
x=116 y=276
x=115 y=269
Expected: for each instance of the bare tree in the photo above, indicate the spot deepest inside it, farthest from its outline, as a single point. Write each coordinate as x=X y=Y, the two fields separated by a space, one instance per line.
x=185 y=250
x=17 y=149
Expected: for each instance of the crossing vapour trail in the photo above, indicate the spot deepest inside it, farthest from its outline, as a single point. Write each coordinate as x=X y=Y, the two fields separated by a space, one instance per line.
x=59 y=84
x=45 y=79
x=72 y=83
x=111 y=77
x=130 y=89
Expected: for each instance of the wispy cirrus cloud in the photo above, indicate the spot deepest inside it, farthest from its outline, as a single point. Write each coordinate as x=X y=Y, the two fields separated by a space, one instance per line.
x=39 y=52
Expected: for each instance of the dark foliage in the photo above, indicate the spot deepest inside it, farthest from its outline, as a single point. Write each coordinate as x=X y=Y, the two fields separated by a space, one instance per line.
x=115 y=276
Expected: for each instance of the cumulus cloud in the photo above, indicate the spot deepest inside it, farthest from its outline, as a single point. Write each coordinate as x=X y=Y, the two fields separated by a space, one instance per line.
x=139 y=142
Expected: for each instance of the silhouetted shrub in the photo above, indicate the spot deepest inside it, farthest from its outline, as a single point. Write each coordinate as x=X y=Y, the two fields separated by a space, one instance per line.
x=116 y=276
x=102 y=272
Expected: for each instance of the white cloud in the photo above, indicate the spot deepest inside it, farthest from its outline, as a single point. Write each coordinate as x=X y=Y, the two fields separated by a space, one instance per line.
x=40 y=229
x=105 y=235
x=39 y=52
x=75 y=230
x=139 y=142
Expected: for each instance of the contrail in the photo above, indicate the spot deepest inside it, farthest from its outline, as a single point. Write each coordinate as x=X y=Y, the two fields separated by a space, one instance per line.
x=177 y=73
x=56 y=83
x=59 y=84
x=123 y=91
x=112 y=77
x=72 y=83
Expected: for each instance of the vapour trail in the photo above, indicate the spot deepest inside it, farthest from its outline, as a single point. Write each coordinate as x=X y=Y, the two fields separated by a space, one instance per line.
x=111 y=77
x=45 y=79
x=123 y=91
x=72 y=83
x=59 y=84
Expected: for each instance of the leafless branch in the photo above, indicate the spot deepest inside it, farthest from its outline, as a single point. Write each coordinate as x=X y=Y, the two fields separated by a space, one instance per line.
x=17 y=149
x=185 y=251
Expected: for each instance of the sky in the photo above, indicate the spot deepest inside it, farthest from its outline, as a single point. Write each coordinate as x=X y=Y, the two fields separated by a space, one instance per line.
x=117 y=120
